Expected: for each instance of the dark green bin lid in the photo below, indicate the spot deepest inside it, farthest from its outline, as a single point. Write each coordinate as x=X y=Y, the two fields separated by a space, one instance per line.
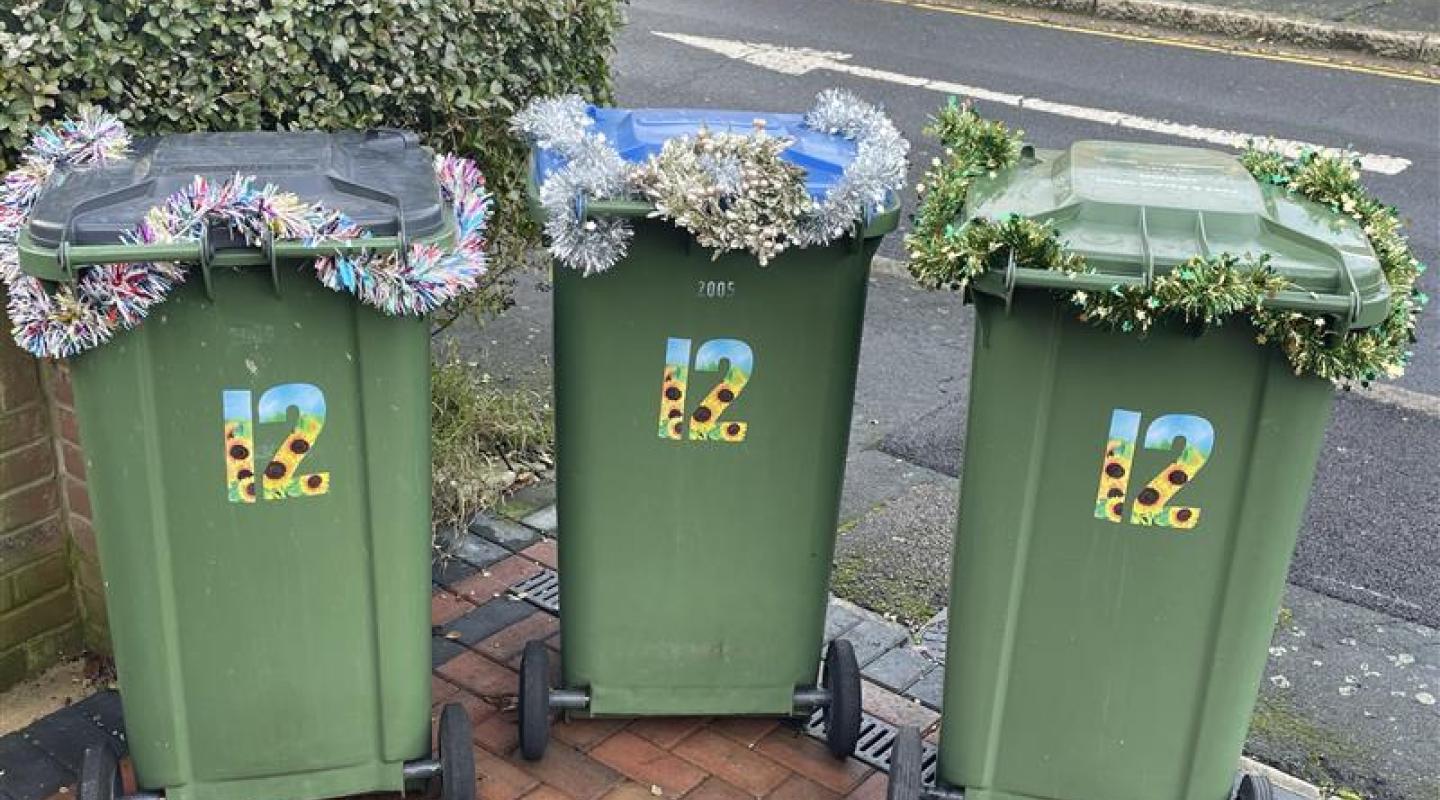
x=383 y=180
x=1138 y=210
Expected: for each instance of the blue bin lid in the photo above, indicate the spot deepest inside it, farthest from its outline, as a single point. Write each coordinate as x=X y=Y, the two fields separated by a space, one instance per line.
x=638 y=133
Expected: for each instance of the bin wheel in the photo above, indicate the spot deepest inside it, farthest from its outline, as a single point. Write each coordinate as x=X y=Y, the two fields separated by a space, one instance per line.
x=1255 y=787
x=842 y=716
x=456 y=780
x=100 y=774
x=534 y=701
x=905 y=765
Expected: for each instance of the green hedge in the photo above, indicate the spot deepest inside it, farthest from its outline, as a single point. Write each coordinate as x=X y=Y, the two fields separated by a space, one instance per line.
x=453 y=70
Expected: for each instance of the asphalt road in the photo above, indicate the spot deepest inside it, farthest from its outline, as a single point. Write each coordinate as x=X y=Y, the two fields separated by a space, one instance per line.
x=1371 y=536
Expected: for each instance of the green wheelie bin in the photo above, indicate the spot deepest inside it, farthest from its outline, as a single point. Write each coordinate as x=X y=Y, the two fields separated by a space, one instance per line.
x=257 y=454
x=1129 y=504
x=703 y=407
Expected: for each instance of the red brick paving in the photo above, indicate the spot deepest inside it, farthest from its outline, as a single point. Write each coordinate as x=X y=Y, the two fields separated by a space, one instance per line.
x=445 y=607
x=642 y=761
x=489 y=583
x=544 y=552
x=692 y=758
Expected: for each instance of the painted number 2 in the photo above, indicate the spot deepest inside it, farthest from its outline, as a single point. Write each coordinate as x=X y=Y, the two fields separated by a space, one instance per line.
x=704 y=422
x=1151 y=506
x=280 y=478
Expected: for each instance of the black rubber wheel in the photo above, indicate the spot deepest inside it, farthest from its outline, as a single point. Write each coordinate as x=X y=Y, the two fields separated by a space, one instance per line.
x=456 y=780
x=905 y=765
x=842 y=716
x=1255 y=787
x=100 y=774
x=534 y=701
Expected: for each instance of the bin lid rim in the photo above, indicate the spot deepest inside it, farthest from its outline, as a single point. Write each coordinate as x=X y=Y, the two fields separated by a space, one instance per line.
x=638 y=133
x=1135 y=210
x=377 y=178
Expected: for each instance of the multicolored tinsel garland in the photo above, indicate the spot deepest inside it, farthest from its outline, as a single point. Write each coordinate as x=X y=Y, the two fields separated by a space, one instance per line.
x=594 y=170
x=110 y=298
x=70 y=320
x=428 y=276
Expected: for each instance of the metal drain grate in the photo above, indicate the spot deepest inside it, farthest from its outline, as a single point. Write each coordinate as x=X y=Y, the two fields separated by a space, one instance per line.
x=541 y=590
x=873 y=747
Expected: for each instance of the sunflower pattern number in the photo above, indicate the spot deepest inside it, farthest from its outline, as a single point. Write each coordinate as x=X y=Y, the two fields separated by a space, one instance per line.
x=731 y=357
x=672 y=389
x=1151 y=503
x=1151 y=506
x=705 y=421
x=281 y=477
x=239 y=446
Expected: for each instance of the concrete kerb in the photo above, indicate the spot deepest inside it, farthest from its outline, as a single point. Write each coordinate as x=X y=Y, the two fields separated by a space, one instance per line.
x=1414 y=46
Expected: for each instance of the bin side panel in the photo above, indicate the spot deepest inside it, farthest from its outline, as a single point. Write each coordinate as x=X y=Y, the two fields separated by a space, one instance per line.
x=259 y=480
x=696 y=548
x=1128 y=509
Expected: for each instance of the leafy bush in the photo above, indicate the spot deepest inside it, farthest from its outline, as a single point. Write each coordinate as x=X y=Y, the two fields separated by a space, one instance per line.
x=452 y=70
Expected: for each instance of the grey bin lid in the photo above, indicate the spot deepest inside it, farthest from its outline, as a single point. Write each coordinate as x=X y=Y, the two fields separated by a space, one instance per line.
x=375 y=177
x=1132 y=208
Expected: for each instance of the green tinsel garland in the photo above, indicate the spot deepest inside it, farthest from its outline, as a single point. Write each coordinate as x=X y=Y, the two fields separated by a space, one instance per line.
x=1204 y=292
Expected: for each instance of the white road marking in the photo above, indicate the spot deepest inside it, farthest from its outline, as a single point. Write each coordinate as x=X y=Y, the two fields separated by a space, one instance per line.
x=802 y=60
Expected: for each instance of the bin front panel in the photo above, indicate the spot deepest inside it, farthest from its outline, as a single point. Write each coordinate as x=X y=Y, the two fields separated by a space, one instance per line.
x=1128 y=511
x=703 y=411
x=259 y=471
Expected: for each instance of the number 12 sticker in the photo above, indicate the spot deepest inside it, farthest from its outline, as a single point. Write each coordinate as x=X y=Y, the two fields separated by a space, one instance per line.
x=704 y=422
x=280 y=477
x=1151 y=504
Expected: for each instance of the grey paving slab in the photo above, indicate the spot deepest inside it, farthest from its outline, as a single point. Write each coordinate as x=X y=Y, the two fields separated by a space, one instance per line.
x=485 y=621
x=873 y=637
x=930 y=689
x=442 y=650
x=841 y=616
x=28 y=773
x=546 y=520
x=503 y=531
x=899 y=669
x=448 y=571
x=103 y=709
x=528 y=499
x=474 y=550
x=65 y=734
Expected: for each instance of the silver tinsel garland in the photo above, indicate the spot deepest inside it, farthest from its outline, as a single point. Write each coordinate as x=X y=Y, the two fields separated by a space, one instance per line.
x=877 y=172
x=594 y=170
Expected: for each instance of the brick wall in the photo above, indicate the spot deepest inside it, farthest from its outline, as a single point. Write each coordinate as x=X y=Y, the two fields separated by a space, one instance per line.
x=75 y=505
x=40 y=618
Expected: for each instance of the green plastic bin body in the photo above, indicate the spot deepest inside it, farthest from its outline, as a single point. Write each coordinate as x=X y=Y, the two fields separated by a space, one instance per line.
x=1129 y=504
x=272 y=646
x=696 y=558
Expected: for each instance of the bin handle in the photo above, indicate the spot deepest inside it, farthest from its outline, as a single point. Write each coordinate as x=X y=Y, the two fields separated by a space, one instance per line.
x=1354 y=311
x=1009 y=285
